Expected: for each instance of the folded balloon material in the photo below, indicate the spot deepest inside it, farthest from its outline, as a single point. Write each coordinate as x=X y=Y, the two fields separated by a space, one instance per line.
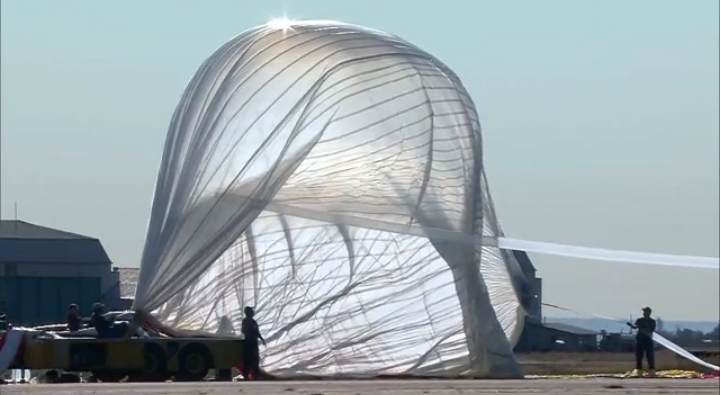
x=10 y=342
x=331 y=176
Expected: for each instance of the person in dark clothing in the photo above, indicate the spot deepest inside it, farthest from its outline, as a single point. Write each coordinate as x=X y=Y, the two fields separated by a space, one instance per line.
x=107 y=328
x=251 y=349
x=644 y=346
x=99 y=322
x=74 y=323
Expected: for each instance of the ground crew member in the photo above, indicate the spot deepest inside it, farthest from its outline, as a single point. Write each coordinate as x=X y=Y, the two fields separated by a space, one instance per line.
x=99 y=322
x=106 y=328
x=251 y=348
x=644 y=346
x=74 y=323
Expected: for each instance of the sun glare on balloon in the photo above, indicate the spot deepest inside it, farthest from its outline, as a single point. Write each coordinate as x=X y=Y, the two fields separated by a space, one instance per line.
x=283 y=24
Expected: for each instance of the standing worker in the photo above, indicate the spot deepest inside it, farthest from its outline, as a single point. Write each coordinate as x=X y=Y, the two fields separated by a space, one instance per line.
x=644 y=346
x=99 y=322
x=251 y=348
x=74 y=323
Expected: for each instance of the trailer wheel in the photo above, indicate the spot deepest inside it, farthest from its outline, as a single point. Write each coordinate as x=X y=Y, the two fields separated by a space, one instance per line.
x=154 y=365
x=195 y=363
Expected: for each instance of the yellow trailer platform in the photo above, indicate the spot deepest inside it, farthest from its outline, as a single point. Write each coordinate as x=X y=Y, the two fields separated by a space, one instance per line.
x=138 y=359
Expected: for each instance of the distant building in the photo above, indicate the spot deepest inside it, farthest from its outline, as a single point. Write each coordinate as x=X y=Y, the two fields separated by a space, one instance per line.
x=617 y=342
x=539 y=336
x=548 y=336
x=530 y=273
x=43 y=270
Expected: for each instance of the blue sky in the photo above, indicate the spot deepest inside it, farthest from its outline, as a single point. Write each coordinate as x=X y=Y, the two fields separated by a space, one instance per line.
x=600 y=121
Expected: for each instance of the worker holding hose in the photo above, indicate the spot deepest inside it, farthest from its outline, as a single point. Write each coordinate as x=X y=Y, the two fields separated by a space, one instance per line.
x=644 y=346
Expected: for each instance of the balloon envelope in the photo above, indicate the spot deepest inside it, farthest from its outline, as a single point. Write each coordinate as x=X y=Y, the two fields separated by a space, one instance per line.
x=331 y=176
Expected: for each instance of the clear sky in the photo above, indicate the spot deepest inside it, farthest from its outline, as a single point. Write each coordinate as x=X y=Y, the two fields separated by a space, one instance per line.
x=600 y=121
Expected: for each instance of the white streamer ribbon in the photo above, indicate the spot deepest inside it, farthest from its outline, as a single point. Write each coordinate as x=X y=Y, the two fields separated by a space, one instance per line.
x=602 y=254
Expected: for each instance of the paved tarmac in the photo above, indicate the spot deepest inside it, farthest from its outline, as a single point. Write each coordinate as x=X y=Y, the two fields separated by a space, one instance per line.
x=383 y=387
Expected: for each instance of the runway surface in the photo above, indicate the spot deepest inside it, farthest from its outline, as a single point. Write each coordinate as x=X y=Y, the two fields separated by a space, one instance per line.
x=382 y=387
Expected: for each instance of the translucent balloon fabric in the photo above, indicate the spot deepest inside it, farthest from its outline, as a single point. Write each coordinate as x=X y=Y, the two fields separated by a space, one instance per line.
x=331 y=175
